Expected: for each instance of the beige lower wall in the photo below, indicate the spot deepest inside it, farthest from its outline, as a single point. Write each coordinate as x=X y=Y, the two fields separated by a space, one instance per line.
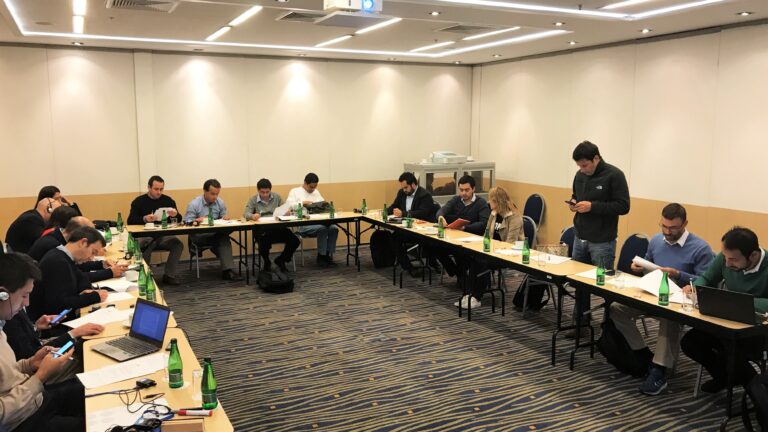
x=709 y=223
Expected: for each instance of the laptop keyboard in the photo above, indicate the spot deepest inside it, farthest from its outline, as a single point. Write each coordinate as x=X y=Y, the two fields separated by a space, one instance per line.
x=132 y=346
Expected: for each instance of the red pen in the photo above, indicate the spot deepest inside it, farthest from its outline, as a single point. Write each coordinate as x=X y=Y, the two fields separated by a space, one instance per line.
x=201 y=412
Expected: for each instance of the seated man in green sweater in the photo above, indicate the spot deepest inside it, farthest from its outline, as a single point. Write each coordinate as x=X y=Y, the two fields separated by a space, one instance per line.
x=743 y=268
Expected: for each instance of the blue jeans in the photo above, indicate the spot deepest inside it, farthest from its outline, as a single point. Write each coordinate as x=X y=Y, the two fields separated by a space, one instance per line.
x=326 y=237
x=591 y=253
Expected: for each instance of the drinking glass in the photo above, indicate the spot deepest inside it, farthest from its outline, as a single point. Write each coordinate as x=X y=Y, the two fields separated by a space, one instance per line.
x=197 y=380
x=543 y=258
x=618 y=280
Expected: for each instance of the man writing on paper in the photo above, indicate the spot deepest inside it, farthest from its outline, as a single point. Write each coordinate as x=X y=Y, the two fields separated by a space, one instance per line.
x=305 y=195
x=683 y=255
x=468 y=206
x=197 y=211
x=742 y=265
x=414 y=201
x=600 y=196
x=27 y=404
x=143 y=209
x=263 y=204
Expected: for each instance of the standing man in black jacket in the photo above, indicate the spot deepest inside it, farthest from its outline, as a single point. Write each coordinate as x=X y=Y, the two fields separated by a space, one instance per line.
x=63 y=285
x=143 y=211
x=29 y=226
x=600 y=196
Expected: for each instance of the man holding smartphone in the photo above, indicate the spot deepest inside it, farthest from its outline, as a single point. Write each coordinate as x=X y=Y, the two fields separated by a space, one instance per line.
x=600 y=196
x=29 y=402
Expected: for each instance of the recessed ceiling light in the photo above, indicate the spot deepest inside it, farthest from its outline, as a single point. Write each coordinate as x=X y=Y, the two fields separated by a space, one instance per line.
x=78 y=43
x=333 y=41
x=496 y=55
x=646 y=31
x=218 y=33
x=245 y=15
x=457 y=62
x=572 y=43
x=435 y=13
x=745 y=13
x=302 y=55
x=623 y=4
x=490 y=33
x=559 y=24
x=391 y=59
x=282 y=1
x=429 y=47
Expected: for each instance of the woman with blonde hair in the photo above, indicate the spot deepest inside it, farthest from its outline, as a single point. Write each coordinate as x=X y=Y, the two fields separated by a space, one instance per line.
x=506 y=224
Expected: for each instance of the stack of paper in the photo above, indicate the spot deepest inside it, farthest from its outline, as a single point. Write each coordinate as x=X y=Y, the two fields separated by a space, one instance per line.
x=141 y=366
x=102 y=316
x=644 y=263
x=650 y=283
x=510 y=252
x=117 y=284
x=118 y=296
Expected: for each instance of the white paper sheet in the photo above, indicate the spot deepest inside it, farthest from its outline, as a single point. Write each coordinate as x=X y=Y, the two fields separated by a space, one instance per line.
x=101 y=420
x=553 y=259
x=102 y=316
x=123 y=371
x=429 y=230
x=119 y=296
x=644 y=263
x=319 y=216
x=282 y=210
x=650 y=284
x=511 y=252
x=225 y=222
x=471 y=239
x=589 y=274
x=267 y=219
x=117 y=284
x=159 y=212
x=287 y=218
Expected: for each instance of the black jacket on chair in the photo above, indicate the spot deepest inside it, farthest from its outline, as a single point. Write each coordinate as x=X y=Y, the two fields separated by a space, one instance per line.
x=27 y=228
x=421 y=208
x=60 y=287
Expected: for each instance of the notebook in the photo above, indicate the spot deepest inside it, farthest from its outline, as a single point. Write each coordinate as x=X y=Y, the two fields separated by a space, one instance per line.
x=150 y=321
x=730 y=305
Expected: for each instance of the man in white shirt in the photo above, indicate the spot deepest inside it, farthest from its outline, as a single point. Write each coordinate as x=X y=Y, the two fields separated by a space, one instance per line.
x=326 y=235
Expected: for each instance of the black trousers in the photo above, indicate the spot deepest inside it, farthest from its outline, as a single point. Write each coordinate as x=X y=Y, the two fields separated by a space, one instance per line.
x=278 y=235
x=63 y=409
x=710 y=352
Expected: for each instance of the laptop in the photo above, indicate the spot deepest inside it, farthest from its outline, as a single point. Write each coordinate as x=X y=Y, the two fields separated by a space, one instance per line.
x=730 y=305
x=150 y=321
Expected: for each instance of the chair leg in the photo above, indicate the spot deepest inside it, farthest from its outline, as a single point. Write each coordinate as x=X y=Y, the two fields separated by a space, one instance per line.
x=698 y=382
x=645 y=327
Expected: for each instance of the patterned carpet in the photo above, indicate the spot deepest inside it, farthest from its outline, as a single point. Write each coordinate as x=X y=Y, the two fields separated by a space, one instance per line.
x=348 y=351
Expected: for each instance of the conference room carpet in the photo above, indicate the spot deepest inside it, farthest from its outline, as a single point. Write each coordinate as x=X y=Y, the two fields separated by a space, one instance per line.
x=348 y=351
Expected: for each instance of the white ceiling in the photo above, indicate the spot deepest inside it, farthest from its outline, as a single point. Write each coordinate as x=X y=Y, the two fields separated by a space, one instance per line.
x=186 y=28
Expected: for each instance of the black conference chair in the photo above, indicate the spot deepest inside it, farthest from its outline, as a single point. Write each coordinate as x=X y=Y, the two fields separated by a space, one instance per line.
x=635 y=245
x=567 y=235
x=530 y=230
x=534 y=208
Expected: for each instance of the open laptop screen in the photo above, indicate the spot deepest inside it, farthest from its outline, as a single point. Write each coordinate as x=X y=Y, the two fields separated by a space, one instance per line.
x=149 y=321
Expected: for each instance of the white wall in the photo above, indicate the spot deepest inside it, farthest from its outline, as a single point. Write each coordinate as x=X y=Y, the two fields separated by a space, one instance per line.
x=685 y=119
x=65 y=115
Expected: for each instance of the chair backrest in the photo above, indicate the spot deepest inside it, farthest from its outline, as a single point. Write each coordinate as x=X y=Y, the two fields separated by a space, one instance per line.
x=529 y=229
x=534 y=208
x=635 y=245
x=433 y=213
x=566 y=237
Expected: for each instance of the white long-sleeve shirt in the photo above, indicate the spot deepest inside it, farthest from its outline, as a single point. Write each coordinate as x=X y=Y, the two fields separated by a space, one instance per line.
x=298 y=194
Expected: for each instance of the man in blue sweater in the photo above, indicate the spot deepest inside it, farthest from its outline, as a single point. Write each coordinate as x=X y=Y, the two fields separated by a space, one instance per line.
x=468 y=206
x=684 y=256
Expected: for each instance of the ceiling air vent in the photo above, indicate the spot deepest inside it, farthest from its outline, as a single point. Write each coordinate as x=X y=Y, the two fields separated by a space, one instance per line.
x=301 y=16
x=469 y=29
x=144 y=5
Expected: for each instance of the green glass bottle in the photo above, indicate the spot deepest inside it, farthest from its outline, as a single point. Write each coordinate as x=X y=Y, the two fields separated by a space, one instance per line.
x=208 y=386
x=408 y=219
x=300 y=211
x=142 y=281
x=664 y=290
x=128 y=247
x=151 y=291
x=600 y=274
x=119 y=222
x=526 y=252
x=175 y=367
x=137 y=252
x=364 y=208
x=384 y=213
x=210 y=216
x=332 y=211
x=108 y=234
x=164 y=220
x=487 y=240
x=440 y=228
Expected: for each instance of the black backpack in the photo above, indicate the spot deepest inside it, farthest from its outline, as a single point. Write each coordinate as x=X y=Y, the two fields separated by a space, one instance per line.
x=614 y=346
x=275 y=282
x=382 y=249
x=757 y=392
x=536 y=291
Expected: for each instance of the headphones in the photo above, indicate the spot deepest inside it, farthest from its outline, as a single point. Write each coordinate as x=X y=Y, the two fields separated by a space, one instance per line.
x=4 y=295
x=49 y=209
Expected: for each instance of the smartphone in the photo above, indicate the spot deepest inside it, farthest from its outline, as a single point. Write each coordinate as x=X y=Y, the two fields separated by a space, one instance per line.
x=60 y=316
x=610 y=272
x=570 y=202
x=63 y=349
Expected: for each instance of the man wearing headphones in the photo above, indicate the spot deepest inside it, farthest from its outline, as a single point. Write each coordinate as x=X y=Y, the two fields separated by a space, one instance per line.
x=29 y=226
x=26 y=403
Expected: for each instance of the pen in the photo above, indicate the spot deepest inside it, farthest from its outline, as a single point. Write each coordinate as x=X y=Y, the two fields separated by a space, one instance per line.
x=191 y=409
x=202 y=413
